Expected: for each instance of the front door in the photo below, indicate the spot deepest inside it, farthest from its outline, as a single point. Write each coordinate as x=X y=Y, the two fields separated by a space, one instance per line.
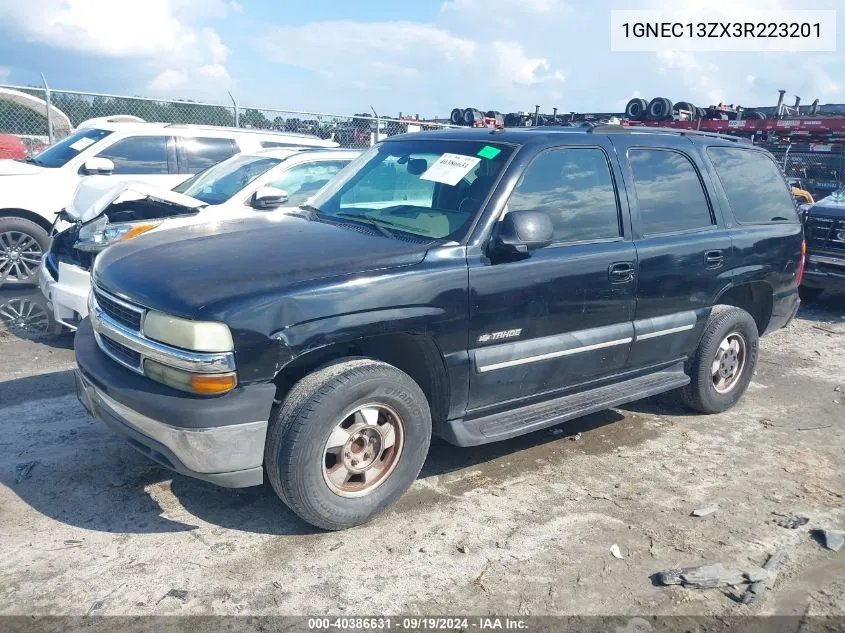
x=561 y=315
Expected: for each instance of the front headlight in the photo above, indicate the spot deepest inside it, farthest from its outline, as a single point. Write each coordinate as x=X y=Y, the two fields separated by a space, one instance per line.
x=197 y=336
x=99 y=233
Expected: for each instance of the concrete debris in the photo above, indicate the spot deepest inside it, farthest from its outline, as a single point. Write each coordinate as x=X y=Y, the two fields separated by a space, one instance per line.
x=575 y=437
x=463 y=549
x=336 y=546
x=833 y=540
x=709 y=576
x=24 y=470
x=705 y=511
x=790 y=521
x=756 y=590
x=179 y=594
x=614 y=549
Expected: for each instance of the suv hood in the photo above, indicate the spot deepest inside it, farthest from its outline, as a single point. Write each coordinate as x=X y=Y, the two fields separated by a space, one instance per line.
x=95 y=196
x=828 y=208
x=195 y=271
x=10 y=167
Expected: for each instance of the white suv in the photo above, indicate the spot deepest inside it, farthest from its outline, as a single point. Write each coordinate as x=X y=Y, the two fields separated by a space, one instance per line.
x=33 y=191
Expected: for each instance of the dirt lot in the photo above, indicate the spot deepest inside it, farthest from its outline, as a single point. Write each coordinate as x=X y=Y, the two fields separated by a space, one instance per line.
x=522 y=527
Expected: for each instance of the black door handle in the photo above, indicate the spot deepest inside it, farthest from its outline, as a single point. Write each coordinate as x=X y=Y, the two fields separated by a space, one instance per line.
x=620 y=272
x=714 y=259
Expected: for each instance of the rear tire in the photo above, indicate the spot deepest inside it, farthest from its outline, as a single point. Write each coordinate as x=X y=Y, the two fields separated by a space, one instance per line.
x=22 y=244
x=809 y=294
x=347 y=442
x=729 y=344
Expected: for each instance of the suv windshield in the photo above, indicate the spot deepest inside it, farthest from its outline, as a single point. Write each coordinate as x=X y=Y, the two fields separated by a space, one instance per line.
x=68 y=148
x=219 y=183
x=426 y=188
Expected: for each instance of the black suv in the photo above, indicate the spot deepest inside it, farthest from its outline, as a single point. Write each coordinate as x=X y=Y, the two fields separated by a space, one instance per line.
x=470 y=284
x=824 y=225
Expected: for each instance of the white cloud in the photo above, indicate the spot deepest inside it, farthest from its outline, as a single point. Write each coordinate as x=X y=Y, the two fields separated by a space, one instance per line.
x=493 y=6
x=417 y=65
x=700 y=78
x=516 y=67
x=236 y=7
x=346 y=45
x=160 y=33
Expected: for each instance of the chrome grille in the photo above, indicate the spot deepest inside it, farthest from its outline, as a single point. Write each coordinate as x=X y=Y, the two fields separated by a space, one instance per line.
x=124 y=313
x=121 y=353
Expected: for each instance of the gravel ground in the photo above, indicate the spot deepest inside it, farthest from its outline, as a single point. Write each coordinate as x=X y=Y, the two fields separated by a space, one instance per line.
x=523 y=527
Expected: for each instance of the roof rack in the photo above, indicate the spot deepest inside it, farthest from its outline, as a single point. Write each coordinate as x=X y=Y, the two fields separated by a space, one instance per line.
x=625 y=129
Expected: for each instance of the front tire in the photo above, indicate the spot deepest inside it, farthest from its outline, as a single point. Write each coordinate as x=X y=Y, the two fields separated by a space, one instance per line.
x=22 y=244
x=347 y=442
x=723 y=364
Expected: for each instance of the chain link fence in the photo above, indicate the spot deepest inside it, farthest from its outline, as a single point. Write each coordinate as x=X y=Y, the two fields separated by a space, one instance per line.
x=23 y=113
x=820 y=169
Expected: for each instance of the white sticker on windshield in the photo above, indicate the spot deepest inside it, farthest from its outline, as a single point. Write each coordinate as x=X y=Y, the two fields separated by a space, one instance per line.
x=82 y=143
x=450 y=168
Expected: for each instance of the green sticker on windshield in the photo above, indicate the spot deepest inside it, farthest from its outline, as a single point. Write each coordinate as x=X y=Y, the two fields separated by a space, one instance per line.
x=488 y=152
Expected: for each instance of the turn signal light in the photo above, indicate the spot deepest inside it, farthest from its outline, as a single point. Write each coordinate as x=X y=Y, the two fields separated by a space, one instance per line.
x=212 y=384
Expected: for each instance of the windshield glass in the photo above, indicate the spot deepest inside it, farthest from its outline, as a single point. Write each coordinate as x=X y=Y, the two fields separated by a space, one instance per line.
x=70 y=147
x=837 y=196
x=426 y=188
x=219 y=183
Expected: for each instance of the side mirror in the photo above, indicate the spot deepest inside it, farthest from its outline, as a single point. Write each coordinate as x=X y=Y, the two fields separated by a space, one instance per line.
x=267 y=198
x=98 y=166
x=523 y=231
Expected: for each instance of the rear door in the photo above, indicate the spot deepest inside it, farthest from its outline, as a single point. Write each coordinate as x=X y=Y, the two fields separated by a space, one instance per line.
x=149 y=158
x=196 y=153
x=561 y=316
x=683 y=249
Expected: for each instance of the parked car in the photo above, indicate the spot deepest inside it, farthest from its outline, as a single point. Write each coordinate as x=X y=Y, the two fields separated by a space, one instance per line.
x=34 y=190
x=103 y=213
x=11 y=146
x=824 y=226
x=462 y=283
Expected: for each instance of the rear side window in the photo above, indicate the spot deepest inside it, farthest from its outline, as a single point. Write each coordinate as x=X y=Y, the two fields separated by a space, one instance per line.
x=575 y=188
x=138 y=155
x=669 y=192
x=196 y=154
x=753 y=185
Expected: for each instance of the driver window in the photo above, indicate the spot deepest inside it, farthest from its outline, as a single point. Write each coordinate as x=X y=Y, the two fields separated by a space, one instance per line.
x=575 y=188
x=302 y=181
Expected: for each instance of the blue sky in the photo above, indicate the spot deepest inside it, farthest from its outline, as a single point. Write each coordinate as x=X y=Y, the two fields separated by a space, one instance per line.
x=424 y=57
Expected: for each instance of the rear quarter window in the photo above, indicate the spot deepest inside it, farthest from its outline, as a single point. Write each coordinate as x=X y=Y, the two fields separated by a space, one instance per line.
x=753 y=185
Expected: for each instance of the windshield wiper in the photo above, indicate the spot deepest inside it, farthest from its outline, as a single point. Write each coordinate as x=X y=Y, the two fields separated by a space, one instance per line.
x=376 y=223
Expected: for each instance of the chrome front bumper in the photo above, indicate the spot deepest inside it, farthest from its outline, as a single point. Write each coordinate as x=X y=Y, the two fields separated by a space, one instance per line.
x=230 y=456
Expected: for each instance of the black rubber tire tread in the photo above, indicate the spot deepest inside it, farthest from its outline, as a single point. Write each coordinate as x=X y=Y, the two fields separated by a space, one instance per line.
x=809 y=294
x=300 y=426
x=32 y=229
x=700 y=394
x=636 y=109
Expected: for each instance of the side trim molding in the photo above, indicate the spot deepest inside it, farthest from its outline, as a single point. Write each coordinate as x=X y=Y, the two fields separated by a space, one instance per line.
x=564 y=352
